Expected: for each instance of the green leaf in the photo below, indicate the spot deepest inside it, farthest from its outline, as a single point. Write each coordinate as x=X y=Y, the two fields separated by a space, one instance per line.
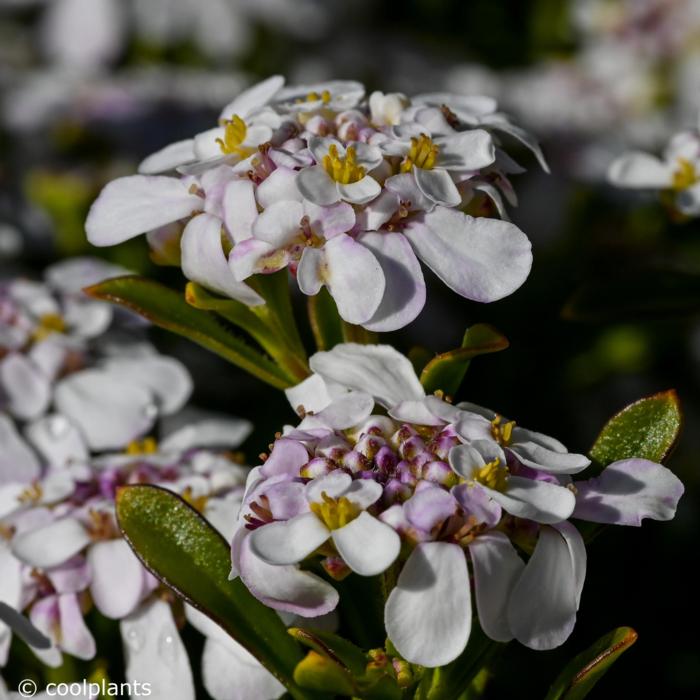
x=636 y=293
x=325 y=322
x=178 y=546
x=647 y=429
x=446 y=371
x=585 y=670
x=168 y=309
x=334 y=647
x=320 y=673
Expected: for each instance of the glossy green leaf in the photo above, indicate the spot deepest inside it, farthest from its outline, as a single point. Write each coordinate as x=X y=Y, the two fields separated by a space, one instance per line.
x=647 y=429
x=446 y=371
x=180 y=548
x=636 y=293
x=332 y=646
x=325 y=322
x=168 y=309
x=585 y=670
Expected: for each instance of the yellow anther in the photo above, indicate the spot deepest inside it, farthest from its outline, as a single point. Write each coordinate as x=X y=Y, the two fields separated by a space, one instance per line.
x=32 y=494
x=313 y=96
x=197 y=502
x=343 y=169
x=493 y=475
x=48 y=324
x=235 y=131
x=335 y=512
x=147 y=446
x=502 y=432
x=685 y=175
x=423 y=154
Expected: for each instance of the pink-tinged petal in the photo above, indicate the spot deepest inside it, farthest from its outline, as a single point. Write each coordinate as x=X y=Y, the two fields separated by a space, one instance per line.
x=168 y=158
x=429 y=507
x=252 y=256
x=130 y=206
x=480 y=259
x=286 y=499
x=497 y=568
x=253 y=98
x=44 y=615
x=477 y=502
x=285 y=588
x=438 y=186
x=117 y=579
x=628 y=491
x=290 y=541
x=27 y=389
x=17 y=462
x=287 y=457
x=638 y=170
x=535 y=500
x=360 y=192
x=542 y=607
x=367 y=545
x=537 y=457
x=316 y=185
x=331 y=220
x=279 y=186
x=76 y=638
x=52 y=544
x=346 y=411
x=378 y=370
x=353 y=277
x=166 y=377
x=428 y=614
x=204 y=262
x=240 y=210
x=404 y=294
x=71 y=577
x=109 y=413
x=154 y=653
x=279 y=224
x=333 y=485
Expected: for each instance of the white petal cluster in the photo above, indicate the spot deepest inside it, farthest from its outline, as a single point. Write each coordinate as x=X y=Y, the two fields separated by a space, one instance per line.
x=346 y=192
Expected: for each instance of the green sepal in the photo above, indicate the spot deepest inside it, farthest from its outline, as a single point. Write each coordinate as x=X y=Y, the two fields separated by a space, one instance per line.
x=178 y=546
x=445 y=372
x=326 y=324
x=320 y=673
x=168 y=309
x=585 y=670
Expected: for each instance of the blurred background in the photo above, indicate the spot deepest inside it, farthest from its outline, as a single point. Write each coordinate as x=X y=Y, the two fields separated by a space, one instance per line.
x=609 y=314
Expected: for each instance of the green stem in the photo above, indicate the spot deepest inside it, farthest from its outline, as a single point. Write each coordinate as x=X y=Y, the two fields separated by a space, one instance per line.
x=358 y=334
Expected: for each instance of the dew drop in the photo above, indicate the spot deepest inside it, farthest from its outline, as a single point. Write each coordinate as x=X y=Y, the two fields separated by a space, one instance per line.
x=135 y=638
x=168 y=650
x=150 y=410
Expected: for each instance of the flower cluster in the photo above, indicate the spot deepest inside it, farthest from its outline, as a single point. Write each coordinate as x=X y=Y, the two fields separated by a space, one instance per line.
x=427 y=492
x=676 y=175
x=347 y=192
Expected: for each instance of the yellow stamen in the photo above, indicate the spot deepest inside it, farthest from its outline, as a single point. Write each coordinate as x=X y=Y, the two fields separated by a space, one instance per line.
x=235 y=131
x=197 y=502
x=32 y=494
x=343 y=169
x=423 y=154
x=48 y=324
x=493 y=475
x=147 y=446
x=313 y=96
x=685 y=175
x=502 y=432
x=335 y=512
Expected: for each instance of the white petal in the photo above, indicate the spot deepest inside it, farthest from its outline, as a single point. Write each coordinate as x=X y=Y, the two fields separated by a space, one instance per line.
x=367 y=545
x=438 y=186
x=415 y=411
x=240 y=210
x=129 y=206
x=17 y=462
x=538 y=457
x=466 y=460
x=316 y=185
x=521 y=135
x=346 y=411
x=154 y=653
x=52 y=544
x=279 y=224
x=312 y=394
x=428 y=613
x=577 y=550
x=481 y=259
x=311 y=271
x=76 y=638
x=109 y=413
x=58 y=441
x=378 y=370
x=497 y=567
x=253 y=98
x=535 y=500
x=286 y=588
x=364 y=492
x=27 y=388
x=466 y=150
x=360 y=192
x=404 y=293
x=334 y=485
x=204 y=262
x=211 y=432
x=542 y=608
x=279 y=186
x=640 y=170
x=288 y=542
x=117 y=578
x=627 y=491
x=168 y=158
